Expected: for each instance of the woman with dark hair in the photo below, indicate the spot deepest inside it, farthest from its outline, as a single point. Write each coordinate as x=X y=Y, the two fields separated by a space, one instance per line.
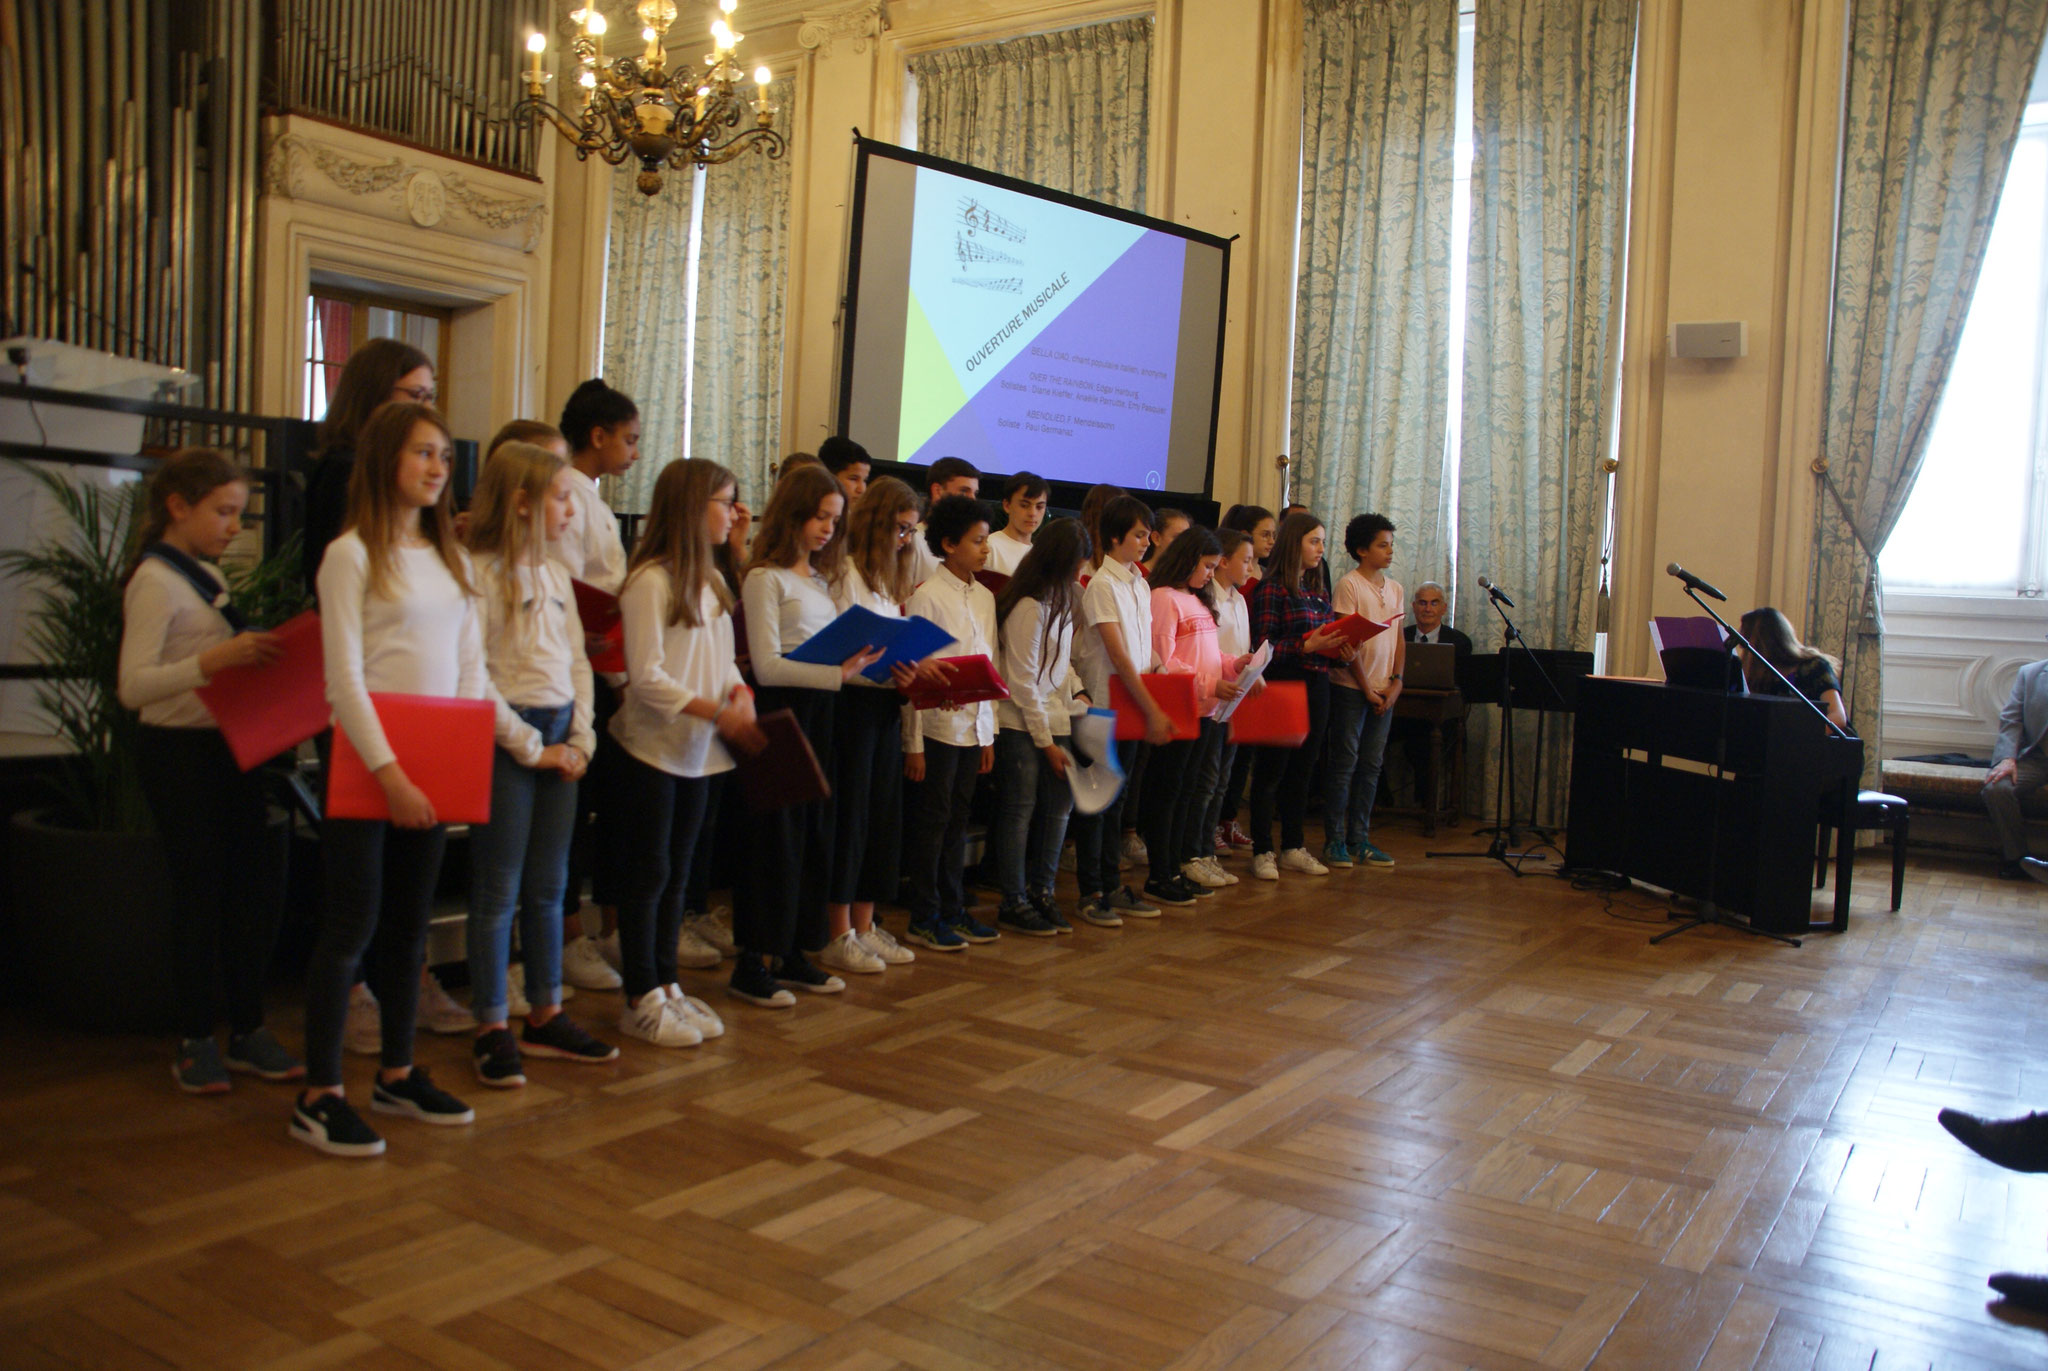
x=1817 y=675
x=378 y=372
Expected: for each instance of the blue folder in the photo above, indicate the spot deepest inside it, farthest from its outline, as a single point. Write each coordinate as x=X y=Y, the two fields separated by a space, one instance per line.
x=909 y=639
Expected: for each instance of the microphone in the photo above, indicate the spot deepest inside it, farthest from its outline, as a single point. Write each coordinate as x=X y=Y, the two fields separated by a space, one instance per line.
x=1495 y=591
x=1695 y=582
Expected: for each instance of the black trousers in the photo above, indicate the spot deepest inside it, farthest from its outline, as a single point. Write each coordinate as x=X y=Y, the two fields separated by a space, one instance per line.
x=867 y=793
x=936 y=846
x=658 y=817
x=790 y=851
x=226 y=885
x=1282 y=776
x=1163 y=805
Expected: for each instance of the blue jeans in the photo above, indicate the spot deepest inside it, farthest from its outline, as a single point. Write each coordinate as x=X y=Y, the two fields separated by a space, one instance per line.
x=1197 y=835
x=1215 y=782
x=1351 y=771
x=1032 y=805
x=520 y=860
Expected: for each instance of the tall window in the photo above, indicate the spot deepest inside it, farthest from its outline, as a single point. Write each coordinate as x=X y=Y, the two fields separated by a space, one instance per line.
x=1977 y=520
x=339 y=321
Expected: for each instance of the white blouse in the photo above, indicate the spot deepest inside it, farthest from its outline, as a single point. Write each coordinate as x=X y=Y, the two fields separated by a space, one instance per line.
x=537 y=663
x=784 y=608
x=667 y=667
x=165 y=626
x=966 y=610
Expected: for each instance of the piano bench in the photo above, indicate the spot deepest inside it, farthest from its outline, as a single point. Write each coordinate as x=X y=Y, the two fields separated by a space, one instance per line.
x=1874 y=810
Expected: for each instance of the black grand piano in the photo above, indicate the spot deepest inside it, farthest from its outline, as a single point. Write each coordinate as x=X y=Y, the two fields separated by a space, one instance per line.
x=1643 y=794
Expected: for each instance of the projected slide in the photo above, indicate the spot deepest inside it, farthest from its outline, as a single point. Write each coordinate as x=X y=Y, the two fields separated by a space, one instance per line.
x=1037 y=334
x=1027 y=331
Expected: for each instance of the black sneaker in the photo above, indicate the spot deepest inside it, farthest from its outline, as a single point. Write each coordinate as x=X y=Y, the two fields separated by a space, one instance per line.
x=497 y=1059
x=753 y=983
x=417 y=1097
x=1173 y=892
x=1027 y=921
x=562 y=1037
x=936 y=936
x=329 y=1125
x=1193 y=889
x=796 y=970
x=972 y=929
x=1049 y=910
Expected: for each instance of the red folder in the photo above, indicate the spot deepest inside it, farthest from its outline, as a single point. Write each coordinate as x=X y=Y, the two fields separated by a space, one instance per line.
x=1175 y=693
x=1357 y=629
x=994 y=580
x=263 y=710
x=444 y=747
x=599 y=610
x=973 y=680
x=786 y=772
x=1274 y=717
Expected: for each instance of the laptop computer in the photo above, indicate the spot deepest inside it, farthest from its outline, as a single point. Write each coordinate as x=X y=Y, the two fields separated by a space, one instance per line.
x=1431 y=666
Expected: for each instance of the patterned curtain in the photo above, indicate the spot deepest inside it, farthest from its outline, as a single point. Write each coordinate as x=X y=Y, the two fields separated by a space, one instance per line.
x=1936 y=91
x=1550 y=93
x=1066 y=110
x=736 y=395
x=1373 y=309
x=646 y=338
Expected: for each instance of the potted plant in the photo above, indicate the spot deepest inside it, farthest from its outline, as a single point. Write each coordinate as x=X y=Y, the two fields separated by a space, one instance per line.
x=86 y=874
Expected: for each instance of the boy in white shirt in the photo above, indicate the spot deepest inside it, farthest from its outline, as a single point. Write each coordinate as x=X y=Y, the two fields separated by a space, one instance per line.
x=1024 y=501
x=1362 y=696
x=948 y=749
x=947 y=476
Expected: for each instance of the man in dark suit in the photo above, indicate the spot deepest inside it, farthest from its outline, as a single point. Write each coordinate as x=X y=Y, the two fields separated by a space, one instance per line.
x=1426 y=610
x=2019 y=765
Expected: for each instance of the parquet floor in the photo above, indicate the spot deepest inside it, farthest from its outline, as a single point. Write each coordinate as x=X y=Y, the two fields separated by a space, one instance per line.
x=1435 y=1117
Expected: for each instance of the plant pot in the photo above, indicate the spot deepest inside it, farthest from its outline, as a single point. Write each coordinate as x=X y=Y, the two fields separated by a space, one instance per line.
x=92 y=924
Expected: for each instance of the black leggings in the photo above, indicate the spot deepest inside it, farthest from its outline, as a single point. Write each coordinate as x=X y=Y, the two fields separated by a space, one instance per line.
x=658 y=816
x=1281 y=775
x=867 y=788
x=791 y=849
x=226 y=885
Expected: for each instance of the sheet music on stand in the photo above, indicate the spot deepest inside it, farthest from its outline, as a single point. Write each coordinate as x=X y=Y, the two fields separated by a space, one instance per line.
x=1246 y=679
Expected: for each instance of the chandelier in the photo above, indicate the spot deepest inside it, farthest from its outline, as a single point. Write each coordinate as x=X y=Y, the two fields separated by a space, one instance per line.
x=636 y=107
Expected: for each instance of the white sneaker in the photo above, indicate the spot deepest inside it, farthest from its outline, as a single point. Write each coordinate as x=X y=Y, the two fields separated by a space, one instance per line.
x=883 y=944
x=695 y=1013
x=1216 y=869
x=847 y=953
x=584 y=967
x=1201 y=875
x=608 y=949
x=694 y=952
x=1264 y=868
x=650 y=1020
x=1302 y=860
x=1134 y=853
x=715 y=928
x=438 y=1010
x=516 y=1006
x=363 y=1031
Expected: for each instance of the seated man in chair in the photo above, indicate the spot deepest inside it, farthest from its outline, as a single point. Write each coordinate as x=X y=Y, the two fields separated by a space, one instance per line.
x=1426 y=624
x=2019 y=766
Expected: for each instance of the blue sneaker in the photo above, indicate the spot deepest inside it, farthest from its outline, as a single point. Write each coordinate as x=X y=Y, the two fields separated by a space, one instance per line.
x=972 y=929
x=1336 y=854
x=1370 y=855
x=936 y=936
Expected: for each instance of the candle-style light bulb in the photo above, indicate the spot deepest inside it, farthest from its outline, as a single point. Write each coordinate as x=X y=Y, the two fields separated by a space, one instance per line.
x=721 y=34
x=762 y=76
x=536 y=44
x=728 y=5
x=594 y=23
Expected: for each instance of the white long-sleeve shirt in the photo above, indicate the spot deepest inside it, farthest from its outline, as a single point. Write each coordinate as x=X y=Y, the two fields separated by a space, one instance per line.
x=165 y=626
x=1233 y=623
x=1118 y=595
x=1040 y=674
x=424 y=636
x=668 y=666
x=852 y=589
x=538 y=663
x=591 y=547
x=966 y=610
x=784 y=608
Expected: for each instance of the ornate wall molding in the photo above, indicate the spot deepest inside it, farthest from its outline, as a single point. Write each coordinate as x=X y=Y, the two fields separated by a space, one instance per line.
x=297 y=167
x=861 y=20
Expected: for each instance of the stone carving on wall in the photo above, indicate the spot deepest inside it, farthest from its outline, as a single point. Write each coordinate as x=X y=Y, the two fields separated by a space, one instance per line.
x=860 y=20
x=396 y=188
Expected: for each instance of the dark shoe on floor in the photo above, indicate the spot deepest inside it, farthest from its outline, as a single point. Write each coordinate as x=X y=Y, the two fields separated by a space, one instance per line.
x=330 y=1125
x=2036 y=868
x=2010 y=871
x=797 y=970
x=1171 y=892
x=972 y=929
x=755 y=984
x=1049 y=910
x=2028 y=1292
x=2016 y=1144
x=936 y=936
x=199 y=1070
x=259 y=1053
x=496 y=1055
x=417 y=1097
x=564 y=1039
x=1028 y=921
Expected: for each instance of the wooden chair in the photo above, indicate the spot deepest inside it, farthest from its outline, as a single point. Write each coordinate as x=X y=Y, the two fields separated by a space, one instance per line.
x=1874 y=809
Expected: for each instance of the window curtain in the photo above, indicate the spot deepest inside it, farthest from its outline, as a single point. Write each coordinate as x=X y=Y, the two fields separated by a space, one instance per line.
x=646 y=338
x=1373 y=308
x=1936 y=92
x=743 y=273
x=1066 y=110
x=1550 y=89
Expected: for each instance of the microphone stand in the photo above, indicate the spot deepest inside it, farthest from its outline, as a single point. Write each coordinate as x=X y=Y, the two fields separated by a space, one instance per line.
x=1710 y=911
x=1505 y=830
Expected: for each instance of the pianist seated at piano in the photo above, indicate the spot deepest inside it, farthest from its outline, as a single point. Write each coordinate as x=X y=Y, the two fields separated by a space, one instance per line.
x=1426 y=621
x=1817 y=675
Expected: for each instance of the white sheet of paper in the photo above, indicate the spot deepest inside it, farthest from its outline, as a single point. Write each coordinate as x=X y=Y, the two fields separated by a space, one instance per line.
x=1246 y=679
x=1096 y=783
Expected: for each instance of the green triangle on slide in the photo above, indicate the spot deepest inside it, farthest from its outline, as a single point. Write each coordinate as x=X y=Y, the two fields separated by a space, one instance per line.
x=931 y=392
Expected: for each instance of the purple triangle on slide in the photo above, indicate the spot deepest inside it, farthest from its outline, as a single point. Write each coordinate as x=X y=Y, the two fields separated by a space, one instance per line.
x=1131 y=312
